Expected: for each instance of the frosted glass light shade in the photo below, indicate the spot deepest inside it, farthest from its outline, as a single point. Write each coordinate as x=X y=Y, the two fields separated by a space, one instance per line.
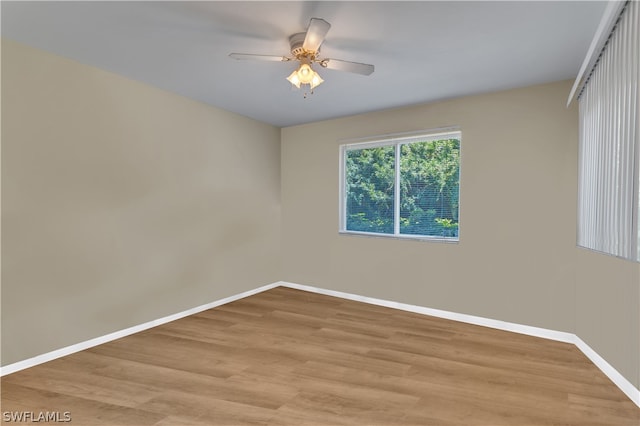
x=305 y=75
x=293 y=79
x=316 y=81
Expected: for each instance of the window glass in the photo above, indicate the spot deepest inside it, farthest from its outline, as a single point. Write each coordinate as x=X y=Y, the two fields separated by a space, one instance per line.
x=370 y=189
x=429 y=188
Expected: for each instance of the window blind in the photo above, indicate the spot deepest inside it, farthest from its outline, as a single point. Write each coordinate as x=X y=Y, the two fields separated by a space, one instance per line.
x=609 y=156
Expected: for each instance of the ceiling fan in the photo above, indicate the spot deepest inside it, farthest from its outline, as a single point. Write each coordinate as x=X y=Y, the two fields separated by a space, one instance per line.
x=305 y=48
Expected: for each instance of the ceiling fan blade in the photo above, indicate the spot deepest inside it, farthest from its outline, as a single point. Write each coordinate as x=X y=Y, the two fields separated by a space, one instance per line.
x=252 y=57
x=354 y=67
x=318 y=29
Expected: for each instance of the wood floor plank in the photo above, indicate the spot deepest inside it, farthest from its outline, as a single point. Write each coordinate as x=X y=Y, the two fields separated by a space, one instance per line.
x=85 y=384
x=17 y=398
x=232 y=389
x=182 y=421
x=290 y=357
x=222 y=412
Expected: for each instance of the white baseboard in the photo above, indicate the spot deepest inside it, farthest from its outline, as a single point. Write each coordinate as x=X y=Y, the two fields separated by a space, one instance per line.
x=618 y=379
x=625 y=386
x=68 y=350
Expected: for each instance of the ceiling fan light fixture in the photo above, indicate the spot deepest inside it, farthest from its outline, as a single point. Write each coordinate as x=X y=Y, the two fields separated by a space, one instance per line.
x=305 y=75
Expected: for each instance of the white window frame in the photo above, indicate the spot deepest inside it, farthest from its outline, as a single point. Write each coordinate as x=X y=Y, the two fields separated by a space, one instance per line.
x=396 y=140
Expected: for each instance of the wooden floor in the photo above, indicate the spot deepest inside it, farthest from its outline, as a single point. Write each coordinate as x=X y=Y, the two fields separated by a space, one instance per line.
x=288 y=357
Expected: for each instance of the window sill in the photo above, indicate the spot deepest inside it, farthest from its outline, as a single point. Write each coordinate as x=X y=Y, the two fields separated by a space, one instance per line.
x=446 y=240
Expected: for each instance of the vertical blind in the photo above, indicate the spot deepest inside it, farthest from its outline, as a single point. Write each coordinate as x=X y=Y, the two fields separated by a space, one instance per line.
x=609 y=157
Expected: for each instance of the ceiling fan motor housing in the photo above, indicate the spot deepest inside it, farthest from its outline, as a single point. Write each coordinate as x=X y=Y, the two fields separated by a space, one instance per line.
x=296 y=41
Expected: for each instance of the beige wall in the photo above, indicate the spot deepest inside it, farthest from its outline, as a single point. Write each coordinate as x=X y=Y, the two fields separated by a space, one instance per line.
x=516 y=259
x=517 y=221
x=123 y=203
x=608 y=310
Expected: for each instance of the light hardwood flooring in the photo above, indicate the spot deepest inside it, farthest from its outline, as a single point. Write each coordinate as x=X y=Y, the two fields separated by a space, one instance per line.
x=288 y=357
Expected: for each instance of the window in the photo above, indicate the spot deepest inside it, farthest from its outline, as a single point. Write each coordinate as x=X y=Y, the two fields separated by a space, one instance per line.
x=407 y=186
x=609 y=159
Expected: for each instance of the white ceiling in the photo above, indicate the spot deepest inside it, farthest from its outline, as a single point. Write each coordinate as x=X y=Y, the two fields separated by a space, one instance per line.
x=423 y=51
